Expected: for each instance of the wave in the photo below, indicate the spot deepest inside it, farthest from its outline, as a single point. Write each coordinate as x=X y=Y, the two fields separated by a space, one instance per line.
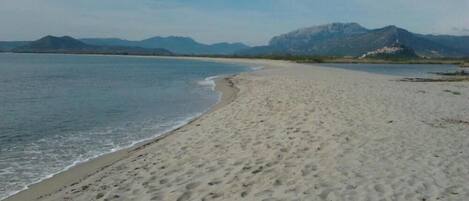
x=209 y=81
x=255 y=68
x=175 y=125
x=66 y=159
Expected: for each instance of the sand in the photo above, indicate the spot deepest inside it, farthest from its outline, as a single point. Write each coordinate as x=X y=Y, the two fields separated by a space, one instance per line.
x=295 y=132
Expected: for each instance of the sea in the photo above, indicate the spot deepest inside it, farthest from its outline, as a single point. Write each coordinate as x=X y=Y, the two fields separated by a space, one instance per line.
x=60 y=110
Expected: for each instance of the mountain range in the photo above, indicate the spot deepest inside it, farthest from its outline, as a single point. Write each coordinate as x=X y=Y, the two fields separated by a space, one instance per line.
x=351 y=39
x=66 y=44
x=176 y=44
x=336 y=39
x=8 y=46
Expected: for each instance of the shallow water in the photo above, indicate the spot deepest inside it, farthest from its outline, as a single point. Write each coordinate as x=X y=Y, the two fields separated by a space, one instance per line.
x=57 y=110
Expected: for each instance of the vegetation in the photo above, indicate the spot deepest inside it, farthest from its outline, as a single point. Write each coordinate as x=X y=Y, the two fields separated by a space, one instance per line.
x=69 y=45
x=175 y=44
x=340 y=39
x=465 y=64
x=337 y=59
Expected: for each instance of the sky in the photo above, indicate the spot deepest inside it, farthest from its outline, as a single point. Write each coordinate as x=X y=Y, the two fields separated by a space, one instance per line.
x=253 y=22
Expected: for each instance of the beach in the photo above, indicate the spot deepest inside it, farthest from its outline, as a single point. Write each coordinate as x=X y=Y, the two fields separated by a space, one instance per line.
x=294 y=132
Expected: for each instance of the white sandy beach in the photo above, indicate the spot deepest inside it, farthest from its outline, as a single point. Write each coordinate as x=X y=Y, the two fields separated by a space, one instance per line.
x=295 y=132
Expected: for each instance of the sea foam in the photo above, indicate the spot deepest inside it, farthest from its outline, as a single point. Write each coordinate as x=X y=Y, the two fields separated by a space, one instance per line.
x=209 y=82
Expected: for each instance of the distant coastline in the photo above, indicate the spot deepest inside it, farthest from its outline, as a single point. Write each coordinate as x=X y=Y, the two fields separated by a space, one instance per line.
x=462 y=62
x=329 y=59
x=328 y=43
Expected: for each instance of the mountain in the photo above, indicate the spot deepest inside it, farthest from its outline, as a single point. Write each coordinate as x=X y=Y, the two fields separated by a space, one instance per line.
x=7 y=46
x=176 y=44
x=460 y=43
x=226 y=48
x=303 y=38
x=351 y=39
x=66 y=44
x=52 y=43
x=108 y=42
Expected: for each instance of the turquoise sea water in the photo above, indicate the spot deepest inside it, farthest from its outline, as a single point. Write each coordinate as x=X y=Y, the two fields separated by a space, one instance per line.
x=58 y=110
x=403 y=70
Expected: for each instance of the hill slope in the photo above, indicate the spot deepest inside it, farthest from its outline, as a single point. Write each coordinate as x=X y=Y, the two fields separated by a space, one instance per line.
x=66 y=44
x=7 y=46
x=351 y=39
x=460 y=43
x=52 y=43
x=176 y=44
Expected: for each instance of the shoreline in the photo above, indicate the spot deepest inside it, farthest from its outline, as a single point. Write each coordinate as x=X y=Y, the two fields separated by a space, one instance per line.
x=77 y=172
x=73 y=174
x=301 y=132
x=437 y=61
